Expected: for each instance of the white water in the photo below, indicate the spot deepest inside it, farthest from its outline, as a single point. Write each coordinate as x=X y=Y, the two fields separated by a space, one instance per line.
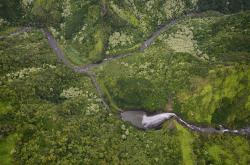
x=156 y=120
x=140 y=120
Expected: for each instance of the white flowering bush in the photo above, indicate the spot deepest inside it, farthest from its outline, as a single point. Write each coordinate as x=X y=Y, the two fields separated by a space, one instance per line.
x=152 y=13
x=54 y=32
x=120 y=39
x=182 y=41
x=72 y=92
x=3 y=22
x=93 y=108
x=26 y=72
x=81 y=35
x=67 y=11
x=92 y=102
x=173 y=7
x=27 y=2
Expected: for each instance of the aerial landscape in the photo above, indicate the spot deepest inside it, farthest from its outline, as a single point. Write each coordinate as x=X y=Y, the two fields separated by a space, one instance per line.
x=130 y=82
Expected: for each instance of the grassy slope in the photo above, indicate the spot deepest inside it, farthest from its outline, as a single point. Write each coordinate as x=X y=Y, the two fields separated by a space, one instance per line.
x=95 y=54
x=186 y=140
x=54 y=127
x=120 y=17
x=5 y=30
x=157 y=77
x=223 y=150
x=7 y=146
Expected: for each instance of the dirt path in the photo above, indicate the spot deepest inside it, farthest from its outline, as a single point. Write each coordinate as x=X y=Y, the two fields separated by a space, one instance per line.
x=60 y=55
x=98 y=89
x=163 y=28
x=86 y=69
x=58 y=51
x=143 y=46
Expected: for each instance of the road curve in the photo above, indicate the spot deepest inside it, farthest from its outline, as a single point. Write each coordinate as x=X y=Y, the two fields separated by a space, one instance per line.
x=143 y=46
x=60 y=55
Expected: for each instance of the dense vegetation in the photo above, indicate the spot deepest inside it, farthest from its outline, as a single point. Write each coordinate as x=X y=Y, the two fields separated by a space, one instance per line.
x=51 y=115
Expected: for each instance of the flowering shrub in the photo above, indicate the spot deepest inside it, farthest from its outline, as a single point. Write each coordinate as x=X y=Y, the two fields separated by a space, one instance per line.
x=153 y=13
x=120 y=39
x=92 y=102
x=27 y=2
x=72 y=93
x=173 y=7
x=25 y=73
x=66 y=9
x=81 y=35
x=93 y=108
x=183 y=41
x=3 y=22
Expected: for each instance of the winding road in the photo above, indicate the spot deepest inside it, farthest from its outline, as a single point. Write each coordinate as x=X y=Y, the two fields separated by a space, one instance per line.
x=86 y=70
x=60 y=55
x=143 y=46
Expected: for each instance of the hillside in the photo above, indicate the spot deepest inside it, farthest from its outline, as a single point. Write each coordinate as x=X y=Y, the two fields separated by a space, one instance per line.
x=69 y=67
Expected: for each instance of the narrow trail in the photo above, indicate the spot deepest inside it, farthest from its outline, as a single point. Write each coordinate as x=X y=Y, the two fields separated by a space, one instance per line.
x=86 y=70
x=19 y=31
x=58 y=51
x=106 y=60
x=98 y=89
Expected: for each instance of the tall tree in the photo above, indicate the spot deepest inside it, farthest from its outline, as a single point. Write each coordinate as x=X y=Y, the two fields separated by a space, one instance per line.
x=10 y=10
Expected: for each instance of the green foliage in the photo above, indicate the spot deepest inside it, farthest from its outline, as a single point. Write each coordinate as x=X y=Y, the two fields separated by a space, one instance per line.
x=228 y=38
x=81 y=32
x=7 y=146
x=46 y=11
x=222 y=99
x=222 y=149
x=147 y=79
x=186 y=139
x=153 y=13
x=132 y=92
x=59 y=116
x=11 y=10
x=225 y=6
x=51 y=115
x=24 y=50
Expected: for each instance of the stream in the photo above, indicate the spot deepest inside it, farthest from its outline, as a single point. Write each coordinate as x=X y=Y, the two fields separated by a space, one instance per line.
x=141 y=120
